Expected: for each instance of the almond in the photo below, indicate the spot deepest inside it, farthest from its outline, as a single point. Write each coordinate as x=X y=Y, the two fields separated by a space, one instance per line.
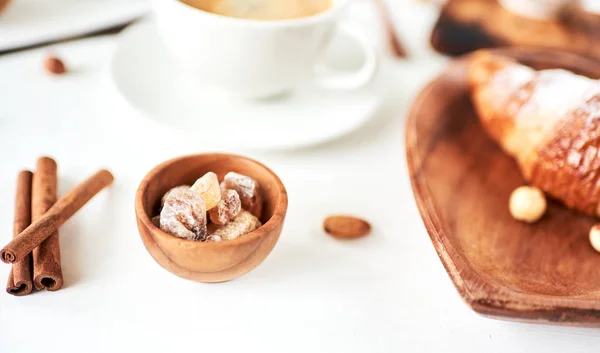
x=54 y=65
x=346 y=227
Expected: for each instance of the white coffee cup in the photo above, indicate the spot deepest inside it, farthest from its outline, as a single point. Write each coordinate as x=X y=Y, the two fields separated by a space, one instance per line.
x=256 y=58
x=538 y=9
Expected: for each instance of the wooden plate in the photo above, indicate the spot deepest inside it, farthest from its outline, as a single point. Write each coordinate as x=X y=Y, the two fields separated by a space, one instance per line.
x=546 y=272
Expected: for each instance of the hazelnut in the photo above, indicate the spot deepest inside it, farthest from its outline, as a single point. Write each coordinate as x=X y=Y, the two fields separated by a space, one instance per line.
x=595 y=237
x=527 y=204
x=54 y=65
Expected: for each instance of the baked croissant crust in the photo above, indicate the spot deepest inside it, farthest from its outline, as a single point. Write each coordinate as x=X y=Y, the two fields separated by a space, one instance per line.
x=548 y=120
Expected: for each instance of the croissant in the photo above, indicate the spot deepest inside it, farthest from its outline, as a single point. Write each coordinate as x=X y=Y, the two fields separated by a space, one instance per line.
x=548 y=120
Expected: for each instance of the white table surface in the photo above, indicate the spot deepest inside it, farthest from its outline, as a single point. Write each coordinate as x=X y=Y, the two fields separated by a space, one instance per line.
x=386 y=293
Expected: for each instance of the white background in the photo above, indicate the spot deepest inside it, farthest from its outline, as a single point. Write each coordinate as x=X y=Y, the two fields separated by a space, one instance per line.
x=385 y=293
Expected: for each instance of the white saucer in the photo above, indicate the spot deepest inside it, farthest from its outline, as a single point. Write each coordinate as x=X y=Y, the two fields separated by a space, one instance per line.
x=147 y=78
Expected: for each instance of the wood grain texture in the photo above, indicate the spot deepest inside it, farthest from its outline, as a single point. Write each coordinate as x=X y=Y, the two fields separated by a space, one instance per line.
x=209 y=261
x=544 y=272
x=468 y=25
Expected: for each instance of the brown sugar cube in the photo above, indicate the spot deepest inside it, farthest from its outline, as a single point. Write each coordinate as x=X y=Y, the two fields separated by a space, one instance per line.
x=244 y=223
x=208 y=187
x=248 y=189
x=184 y=215
x=166 y=195
x=227 y=209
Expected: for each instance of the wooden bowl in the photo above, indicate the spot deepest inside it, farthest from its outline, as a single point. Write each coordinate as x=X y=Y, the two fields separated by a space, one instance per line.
x=544 y=272
x=209 y=262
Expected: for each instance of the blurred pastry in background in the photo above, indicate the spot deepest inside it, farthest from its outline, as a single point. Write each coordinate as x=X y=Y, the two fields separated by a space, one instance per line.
x=468 y=25
x=584 y=16
x=591 y=6
x=538 y=9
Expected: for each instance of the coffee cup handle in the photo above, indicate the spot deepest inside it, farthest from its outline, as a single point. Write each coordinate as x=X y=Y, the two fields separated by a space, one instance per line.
x=352 y=80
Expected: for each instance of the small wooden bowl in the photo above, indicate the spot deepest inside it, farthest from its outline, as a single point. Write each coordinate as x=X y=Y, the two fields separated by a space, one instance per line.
x=543 y=272
x=209 y=262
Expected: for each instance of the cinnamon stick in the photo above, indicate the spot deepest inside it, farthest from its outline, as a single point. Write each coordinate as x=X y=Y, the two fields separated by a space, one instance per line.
x=19 y=278
x=47 y=271
x=56 y=216
x=394 y=42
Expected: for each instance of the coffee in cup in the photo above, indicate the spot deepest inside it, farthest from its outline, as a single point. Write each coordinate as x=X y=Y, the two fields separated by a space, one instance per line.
x=262 y=9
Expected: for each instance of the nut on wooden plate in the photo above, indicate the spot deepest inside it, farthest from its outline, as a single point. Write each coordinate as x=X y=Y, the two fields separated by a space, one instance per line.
x=595 y=237
x=346 y=227
x=527 y=204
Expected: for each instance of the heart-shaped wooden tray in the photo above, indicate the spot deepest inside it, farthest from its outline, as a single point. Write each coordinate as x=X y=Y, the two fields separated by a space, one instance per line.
x=545 y=272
